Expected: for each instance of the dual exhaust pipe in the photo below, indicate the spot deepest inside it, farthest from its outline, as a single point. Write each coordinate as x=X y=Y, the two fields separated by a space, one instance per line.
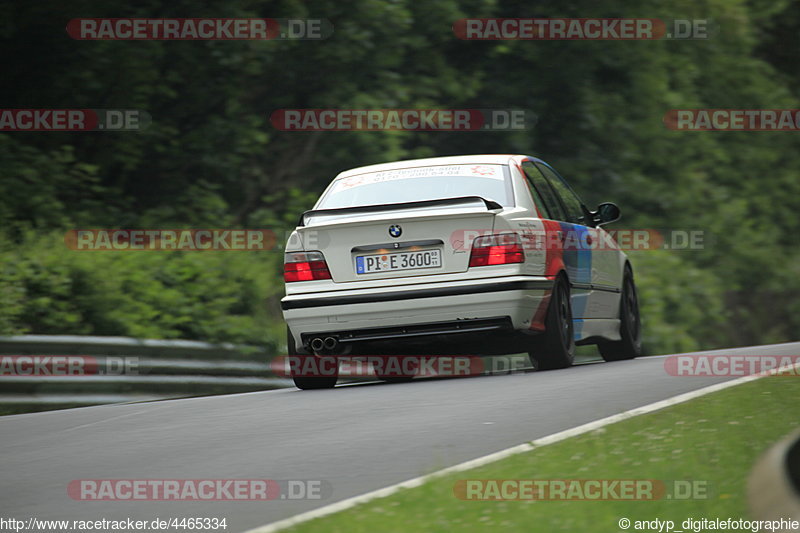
x=328 y=344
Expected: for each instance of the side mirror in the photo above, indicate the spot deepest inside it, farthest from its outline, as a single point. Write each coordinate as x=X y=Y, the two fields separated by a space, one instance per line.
x=606 y=213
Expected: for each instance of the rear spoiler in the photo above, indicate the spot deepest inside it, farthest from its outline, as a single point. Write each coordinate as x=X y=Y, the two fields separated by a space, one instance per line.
x=490 y=204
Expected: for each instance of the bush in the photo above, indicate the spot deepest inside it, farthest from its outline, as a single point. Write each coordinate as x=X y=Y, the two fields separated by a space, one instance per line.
x=212 y=296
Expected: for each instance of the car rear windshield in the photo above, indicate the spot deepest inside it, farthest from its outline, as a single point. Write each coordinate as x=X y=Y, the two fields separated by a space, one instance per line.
x=421 y=183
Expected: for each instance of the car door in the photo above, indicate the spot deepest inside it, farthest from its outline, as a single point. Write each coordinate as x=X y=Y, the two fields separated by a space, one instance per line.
x=576 y=261
x=592 y=269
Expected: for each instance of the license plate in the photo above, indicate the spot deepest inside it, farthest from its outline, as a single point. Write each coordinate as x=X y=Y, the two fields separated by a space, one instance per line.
x=369 y=264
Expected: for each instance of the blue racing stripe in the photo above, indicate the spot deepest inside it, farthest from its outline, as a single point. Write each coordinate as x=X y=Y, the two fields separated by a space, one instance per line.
x=578 y=263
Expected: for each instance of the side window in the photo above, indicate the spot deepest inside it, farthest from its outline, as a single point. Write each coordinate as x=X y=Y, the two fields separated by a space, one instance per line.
x=571 y=202
x=542 y=192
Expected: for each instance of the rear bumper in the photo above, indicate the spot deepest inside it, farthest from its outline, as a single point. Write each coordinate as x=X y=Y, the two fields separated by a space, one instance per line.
x=435 y=307
x=412 y=331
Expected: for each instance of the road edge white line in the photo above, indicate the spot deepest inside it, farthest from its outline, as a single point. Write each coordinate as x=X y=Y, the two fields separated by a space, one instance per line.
x=353 y=501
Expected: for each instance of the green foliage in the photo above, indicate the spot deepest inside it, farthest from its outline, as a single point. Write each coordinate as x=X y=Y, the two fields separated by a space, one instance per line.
x=209 y=295
x=681 y=305
x=210 y=158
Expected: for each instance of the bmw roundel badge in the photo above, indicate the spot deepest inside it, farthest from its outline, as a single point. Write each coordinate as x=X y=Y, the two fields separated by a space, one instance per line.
x=395 y=230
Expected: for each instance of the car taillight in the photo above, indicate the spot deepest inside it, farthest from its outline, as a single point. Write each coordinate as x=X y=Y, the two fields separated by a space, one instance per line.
x=496 y=250
x=305 y=266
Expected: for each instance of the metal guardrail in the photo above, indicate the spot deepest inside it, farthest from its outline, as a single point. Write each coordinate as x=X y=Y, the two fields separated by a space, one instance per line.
x=162 y=369
x=84 y=345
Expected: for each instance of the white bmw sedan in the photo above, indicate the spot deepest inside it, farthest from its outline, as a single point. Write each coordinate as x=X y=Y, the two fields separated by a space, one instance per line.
x=480 y=254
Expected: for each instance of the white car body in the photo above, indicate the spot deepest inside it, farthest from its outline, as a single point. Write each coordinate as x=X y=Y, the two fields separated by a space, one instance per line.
x=509 y=301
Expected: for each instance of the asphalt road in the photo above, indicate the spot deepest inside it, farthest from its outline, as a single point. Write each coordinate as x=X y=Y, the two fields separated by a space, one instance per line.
x=356 y=438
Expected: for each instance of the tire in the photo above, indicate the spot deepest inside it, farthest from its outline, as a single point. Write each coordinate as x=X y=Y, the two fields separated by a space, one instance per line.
x=630 y=328
x=307 y=382
x=555 y=348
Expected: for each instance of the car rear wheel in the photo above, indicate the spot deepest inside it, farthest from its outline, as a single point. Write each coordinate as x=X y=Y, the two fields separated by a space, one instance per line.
x=555 y=348
x=307 y=382
x=630 y=345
